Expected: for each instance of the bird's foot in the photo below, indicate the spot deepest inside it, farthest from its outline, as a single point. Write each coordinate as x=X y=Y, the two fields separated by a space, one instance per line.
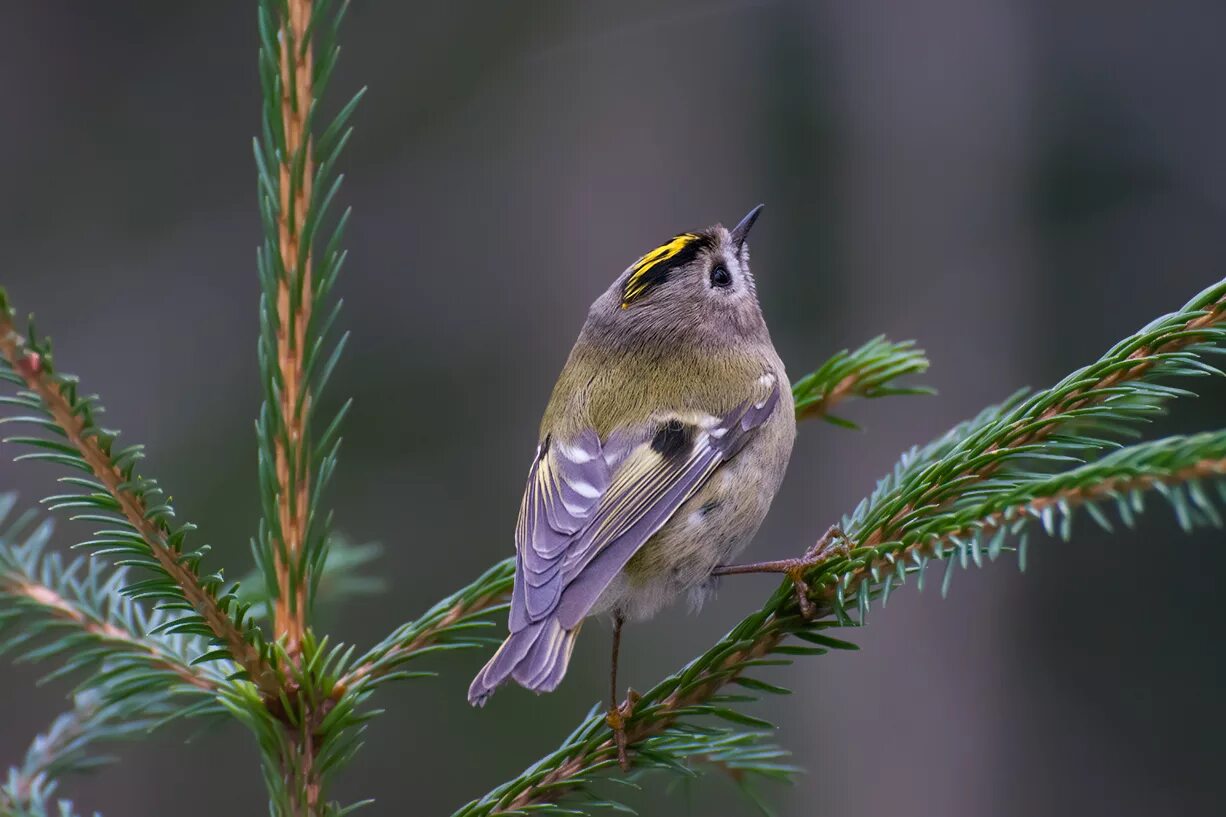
x=616 y=719
x=832 y=543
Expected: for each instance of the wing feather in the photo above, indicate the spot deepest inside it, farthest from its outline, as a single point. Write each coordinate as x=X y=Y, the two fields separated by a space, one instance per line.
x=588 y=507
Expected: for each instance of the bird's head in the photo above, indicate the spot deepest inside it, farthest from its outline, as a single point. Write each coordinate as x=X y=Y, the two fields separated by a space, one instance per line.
x=696 y=285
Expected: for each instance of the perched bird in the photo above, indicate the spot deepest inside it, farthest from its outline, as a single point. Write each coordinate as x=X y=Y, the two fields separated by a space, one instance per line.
x=660 y=451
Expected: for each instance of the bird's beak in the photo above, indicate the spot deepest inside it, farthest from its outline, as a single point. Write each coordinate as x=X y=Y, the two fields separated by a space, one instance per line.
x=741 y=231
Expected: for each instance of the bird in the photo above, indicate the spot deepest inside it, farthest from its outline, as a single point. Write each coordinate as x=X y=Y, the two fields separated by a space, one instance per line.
x=662 y=446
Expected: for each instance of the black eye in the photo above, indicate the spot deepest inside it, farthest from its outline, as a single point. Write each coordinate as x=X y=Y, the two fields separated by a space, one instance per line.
x=720 y=277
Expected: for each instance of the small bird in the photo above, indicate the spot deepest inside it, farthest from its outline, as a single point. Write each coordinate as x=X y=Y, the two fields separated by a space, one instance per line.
x=661 y=449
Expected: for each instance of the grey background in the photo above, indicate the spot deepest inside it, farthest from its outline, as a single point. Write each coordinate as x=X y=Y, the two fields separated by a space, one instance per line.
x=1014 y=184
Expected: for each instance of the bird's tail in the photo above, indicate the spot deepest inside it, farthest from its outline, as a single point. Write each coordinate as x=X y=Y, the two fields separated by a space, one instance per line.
x=535 y=657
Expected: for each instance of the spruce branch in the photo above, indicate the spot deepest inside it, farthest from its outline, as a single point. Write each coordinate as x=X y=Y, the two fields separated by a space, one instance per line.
x=870 y=371
x=296 y=172
x=115 y=495
x=66 y=748
x=1083 y=412
x=30 y=786
x=297 y=183
x=1175 y=467
x=133 y=677
x=306 y=735
x=966 y=497
x=298 y=266
x=448 y=625
x=83 y=601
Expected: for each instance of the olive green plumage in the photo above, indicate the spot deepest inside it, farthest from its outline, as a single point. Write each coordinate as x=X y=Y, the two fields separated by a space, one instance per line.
x=605 y=388
x=662 y=446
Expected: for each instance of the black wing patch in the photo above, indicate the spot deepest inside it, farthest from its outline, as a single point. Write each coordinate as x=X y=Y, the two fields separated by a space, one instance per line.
x=588 y=507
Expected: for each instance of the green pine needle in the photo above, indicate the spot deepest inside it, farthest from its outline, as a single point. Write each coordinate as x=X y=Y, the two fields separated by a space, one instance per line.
x=867 y=372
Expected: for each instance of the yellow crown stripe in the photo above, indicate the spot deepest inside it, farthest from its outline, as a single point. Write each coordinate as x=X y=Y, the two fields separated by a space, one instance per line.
x=635 y=285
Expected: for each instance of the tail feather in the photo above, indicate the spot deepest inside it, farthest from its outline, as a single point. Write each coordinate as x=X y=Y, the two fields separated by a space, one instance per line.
x=545 y=664
x=536 y=657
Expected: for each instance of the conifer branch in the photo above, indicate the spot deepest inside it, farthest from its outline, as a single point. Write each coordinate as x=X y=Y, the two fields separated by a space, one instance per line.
x=864 y=574
x=83 y=605
x=117 y=490
x=447 y=625
x=132 y=678
x=297 y=184
x=296 y=172
x=1097 y=394
x=28 y=593
x=29 y=788
x=868 y=372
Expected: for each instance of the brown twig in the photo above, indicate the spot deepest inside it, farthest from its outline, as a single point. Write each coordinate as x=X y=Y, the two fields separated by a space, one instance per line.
x=842 y=390
x=554 y=785
x=302 y=778
x=49 y=390
x=294 y=315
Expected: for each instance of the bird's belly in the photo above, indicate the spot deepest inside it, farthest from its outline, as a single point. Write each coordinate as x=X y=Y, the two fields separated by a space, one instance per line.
x=710 y=529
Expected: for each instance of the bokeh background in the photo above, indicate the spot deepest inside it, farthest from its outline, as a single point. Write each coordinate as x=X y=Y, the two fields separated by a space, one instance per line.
x=1013 y=184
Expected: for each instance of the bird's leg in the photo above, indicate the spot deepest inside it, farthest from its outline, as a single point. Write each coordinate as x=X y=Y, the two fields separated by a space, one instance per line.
x=833 y=541
x=618 y=714
x=617 y=718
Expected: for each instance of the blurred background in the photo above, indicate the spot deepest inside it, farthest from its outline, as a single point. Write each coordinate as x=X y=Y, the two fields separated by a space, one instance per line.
x=1014 y=184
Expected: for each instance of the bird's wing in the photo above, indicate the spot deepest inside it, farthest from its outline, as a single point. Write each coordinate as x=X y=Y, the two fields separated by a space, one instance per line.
x=588 y=507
